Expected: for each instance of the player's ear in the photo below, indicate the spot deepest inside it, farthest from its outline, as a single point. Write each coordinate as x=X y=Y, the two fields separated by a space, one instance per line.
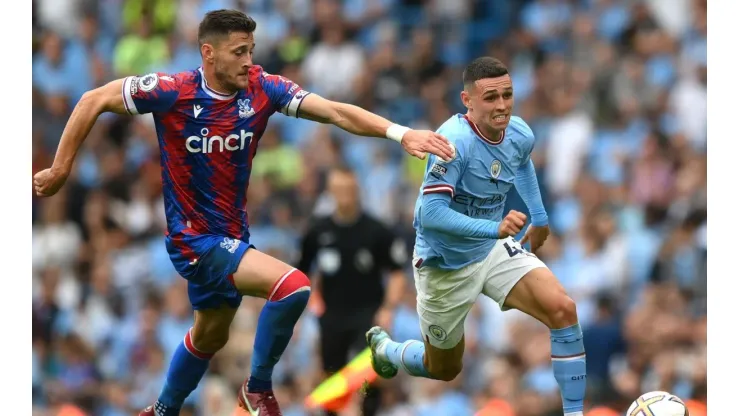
x=465 y=98
x=207 y=52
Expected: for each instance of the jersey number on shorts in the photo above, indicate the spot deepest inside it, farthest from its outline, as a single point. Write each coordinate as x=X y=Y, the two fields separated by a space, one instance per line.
x=512 y=251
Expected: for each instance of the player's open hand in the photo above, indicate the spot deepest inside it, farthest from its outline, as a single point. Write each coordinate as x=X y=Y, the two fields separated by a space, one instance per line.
x=420 y=142
x=536 y=237
x=511 y=224
x=49 y=181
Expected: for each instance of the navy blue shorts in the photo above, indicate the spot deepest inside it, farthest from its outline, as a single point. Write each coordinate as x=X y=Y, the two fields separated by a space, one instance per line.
x=208 y=262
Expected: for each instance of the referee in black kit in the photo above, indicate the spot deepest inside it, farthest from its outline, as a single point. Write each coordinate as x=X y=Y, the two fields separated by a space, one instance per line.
x=351 y=251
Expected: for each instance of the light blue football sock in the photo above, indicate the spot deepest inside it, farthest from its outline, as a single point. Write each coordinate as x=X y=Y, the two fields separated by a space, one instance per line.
x=408 y=356
x=569 y=366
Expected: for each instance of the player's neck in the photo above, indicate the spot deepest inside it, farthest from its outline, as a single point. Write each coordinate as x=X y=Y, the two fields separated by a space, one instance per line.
x=213 y=83
x=347 y=216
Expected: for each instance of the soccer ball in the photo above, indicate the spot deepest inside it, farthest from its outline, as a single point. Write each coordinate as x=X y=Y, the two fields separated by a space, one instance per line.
x=657 y=403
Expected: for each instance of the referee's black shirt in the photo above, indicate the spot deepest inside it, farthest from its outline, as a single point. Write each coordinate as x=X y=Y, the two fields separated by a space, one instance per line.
x=350 y=260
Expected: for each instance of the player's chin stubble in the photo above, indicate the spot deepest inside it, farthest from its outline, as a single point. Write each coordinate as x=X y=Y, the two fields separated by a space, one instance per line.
x=227 y=82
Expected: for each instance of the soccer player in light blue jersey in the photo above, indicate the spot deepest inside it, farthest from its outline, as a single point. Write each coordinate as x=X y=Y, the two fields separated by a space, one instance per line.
x=465 y=245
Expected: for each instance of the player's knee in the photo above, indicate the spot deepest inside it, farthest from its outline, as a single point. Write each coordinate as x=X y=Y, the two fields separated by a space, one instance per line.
x=563 y=313
x=294 y=284
x=446 y=371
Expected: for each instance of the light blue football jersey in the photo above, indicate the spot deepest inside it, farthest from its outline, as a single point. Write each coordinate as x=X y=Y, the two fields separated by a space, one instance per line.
x=478 y=179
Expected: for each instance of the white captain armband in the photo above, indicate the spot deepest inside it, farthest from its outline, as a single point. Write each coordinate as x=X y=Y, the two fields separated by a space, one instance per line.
x=129 y=89
x=294 y=105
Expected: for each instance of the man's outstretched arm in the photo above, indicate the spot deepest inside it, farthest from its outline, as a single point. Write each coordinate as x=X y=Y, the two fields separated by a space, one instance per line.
x=130 y=95
x=93 y=103
x=365 y=123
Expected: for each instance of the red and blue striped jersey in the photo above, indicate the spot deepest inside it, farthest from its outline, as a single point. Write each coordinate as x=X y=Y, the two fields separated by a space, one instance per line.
x=207 y=142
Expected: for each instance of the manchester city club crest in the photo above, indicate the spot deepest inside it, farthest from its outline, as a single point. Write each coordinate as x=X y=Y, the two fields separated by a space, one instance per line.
x=245 y=109
x=495 y=169
x=437 y=332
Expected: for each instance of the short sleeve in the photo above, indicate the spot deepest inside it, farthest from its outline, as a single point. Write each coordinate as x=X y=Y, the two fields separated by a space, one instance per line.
x=441 y=176
x=285 y=95
x=155 y=92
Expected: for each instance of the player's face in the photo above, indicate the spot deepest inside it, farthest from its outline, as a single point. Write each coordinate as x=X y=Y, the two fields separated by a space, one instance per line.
x=343 y=187
x=490 y=102
x=233 y=58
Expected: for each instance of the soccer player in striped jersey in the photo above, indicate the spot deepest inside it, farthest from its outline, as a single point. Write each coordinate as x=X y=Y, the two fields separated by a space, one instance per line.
x=208 y=122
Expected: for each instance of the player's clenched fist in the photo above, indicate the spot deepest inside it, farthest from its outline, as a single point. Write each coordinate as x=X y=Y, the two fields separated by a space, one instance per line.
x=511 y=224
x=48 y=182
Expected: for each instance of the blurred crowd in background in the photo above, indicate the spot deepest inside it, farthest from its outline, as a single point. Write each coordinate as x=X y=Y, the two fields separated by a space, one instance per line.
x=615 y=91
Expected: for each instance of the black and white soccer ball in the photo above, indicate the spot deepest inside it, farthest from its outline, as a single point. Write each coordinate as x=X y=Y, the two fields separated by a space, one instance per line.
x=658 y=403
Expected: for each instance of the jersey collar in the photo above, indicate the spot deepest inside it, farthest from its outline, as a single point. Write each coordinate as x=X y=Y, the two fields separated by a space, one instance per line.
x=480 y=134
x=210 y=91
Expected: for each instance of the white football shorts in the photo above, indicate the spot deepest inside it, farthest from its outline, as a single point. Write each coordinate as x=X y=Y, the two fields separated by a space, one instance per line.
x=444 y=297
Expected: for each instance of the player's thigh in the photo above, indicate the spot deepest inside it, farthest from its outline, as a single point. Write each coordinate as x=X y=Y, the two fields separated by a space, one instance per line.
x=208 y=263
x=221 y=269
x=211 y=328
x=517 y=279
x=443 y=301
x=540 y=295
x=257 y=273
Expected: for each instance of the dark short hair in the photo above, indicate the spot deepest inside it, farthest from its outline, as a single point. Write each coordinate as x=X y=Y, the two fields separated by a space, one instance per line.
x=343 y=168
x=483 y=67
x=223 y=22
